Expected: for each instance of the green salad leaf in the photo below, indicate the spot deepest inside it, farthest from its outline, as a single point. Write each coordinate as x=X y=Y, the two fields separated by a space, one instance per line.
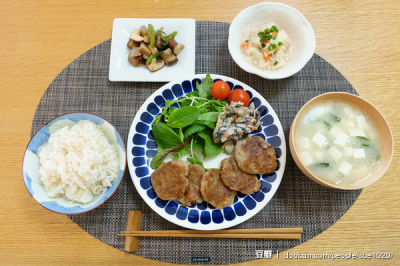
x=211 y=116
x=195 y=160
x=165 y=137
x=205 y=87
x=193 y=129
x=158 y=159
x=210 y=147
x=183 y=117
x=179 y=150
x=208 y=123
x=191 y=118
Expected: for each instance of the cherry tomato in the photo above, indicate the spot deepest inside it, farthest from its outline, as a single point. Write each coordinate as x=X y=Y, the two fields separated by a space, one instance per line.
x=239 y=95
x=220 y=90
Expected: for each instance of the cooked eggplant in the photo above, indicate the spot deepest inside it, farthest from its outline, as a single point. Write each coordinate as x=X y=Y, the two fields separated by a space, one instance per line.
x=140 y=42
x=169 y=57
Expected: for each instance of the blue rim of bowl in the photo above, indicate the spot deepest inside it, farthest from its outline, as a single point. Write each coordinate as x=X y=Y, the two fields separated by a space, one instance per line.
x=276 y=3
x=95 y=206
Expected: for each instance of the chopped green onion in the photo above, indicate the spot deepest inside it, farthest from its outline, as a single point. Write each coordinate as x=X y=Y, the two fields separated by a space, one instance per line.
x=336 y=118
x=260 y=50
x=321 y=165
x=163 y=36
x=152 y=36
x=268 y=34
x=280 y=43
x=263 y=38
x=275 y=63
x=246 y=41
x=270 y=48
x=273 y=46
x=172 y=35
x=148 y=62
x=275 y=52
x=161 y=33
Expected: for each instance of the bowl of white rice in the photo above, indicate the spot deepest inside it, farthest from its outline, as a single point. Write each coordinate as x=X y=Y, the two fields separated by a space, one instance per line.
x=74 y=163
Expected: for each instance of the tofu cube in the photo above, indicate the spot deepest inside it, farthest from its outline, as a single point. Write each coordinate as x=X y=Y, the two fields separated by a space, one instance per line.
x=335 y=131
x=362 y=123
x=314 y=113
x=348 y=151
x=359 y=153
x=348 y=113
x=357 y=132
x=306 y=158
x=342 y=139
x=335 y=153
x=321 y=128
x=319 y=139
x=304 y=143
x=350 y=123
x=345 y=167
x=319 y=156
x=281 y=37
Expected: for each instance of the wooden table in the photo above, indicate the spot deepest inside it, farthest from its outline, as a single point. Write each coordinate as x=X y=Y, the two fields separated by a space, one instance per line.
x=39 y=38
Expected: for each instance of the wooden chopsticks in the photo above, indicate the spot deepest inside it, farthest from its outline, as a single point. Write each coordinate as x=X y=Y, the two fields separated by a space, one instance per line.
x=262 y=233
x=133 y=233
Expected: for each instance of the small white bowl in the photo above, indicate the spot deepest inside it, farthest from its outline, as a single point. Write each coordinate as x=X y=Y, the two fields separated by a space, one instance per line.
x=286 y=18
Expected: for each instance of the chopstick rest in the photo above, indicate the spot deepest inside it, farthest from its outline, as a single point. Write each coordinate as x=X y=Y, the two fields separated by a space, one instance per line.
x=134 y=221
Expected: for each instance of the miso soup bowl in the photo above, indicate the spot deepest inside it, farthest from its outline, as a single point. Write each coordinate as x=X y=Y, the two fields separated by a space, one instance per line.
x=376 y=118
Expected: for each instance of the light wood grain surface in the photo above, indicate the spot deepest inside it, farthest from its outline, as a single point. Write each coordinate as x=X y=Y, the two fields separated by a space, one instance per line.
x=39 y=38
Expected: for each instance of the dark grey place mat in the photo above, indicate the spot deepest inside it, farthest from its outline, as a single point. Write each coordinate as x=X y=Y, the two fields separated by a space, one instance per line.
x=299 y=202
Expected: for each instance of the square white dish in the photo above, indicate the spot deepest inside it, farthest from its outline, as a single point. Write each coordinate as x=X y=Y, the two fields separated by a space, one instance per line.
x=122 y=70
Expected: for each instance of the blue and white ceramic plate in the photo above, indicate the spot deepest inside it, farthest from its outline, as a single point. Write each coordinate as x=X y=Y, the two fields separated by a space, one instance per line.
x=31 y=164
x=142 y=148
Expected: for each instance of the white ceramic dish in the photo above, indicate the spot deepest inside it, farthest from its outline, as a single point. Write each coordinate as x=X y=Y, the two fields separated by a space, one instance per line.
x=285 y=18
x=122 y=70
x=142 y=148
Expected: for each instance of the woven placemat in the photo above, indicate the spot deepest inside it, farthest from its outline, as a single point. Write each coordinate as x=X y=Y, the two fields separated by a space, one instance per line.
x=299 y=202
